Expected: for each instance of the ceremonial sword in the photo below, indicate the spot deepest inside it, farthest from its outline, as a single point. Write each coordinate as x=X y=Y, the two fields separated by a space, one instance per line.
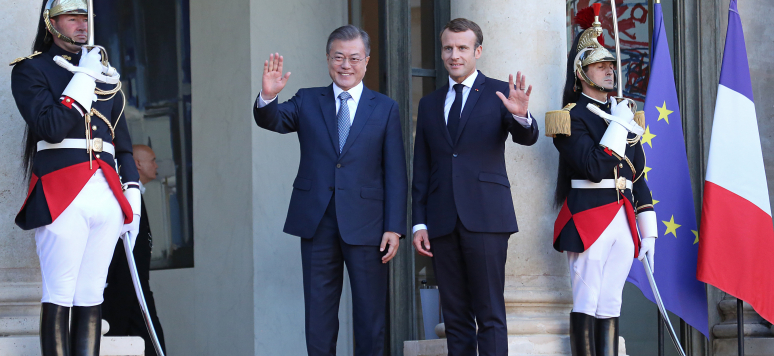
x=141 y=295
x=645 y=263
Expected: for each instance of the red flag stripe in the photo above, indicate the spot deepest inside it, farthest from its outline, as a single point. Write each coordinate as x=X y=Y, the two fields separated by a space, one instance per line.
x=737 y=239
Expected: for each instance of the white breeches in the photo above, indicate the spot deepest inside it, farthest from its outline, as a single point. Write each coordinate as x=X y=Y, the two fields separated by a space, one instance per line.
x=598 y=274
x=75 y=250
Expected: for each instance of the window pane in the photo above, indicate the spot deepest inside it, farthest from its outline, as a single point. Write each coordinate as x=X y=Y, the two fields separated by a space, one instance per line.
x=423 y=34
x=148 y=43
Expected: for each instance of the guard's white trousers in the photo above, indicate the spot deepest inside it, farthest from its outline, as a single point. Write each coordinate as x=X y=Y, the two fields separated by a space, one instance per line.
x=75 y=250
x=598 y=274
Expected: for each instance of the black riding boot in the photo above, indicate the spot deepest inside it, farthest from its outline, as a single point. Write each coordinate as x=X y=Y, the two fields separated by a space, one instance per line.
x=54 y=330
x=86 y=331
x=607 y=337
x=582 y=334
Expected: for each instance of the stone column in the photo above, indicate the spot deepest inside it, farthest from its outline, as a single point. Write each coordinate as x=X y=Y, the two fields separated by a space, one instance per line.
x=19 y=268
x=531 y=37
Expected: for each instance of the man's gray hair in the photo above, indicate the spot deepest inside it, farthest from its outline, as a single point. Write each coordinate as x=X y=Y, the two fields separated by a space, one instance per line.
x=349 y=33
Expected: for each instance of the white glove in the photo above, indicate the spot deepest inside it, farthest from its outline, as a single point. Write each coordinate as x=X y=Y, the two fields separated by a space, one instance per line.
x=648 y=225
x=81 y=86
x=132 y=229
x=648 y=248
x=620 y=113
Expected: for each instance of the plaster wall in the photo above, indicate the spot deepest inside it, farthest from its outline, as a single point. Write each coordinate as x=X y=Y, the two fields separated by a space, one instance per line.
x=19 y=266
x=298 y=30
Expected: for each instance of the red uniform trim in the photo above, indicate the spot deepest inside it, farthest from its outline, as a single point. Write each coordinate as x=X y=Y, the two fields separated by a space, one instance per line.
x=564 y=217
x=62 y=186
x=68 y=102
x=592 y=222
x=115 y=185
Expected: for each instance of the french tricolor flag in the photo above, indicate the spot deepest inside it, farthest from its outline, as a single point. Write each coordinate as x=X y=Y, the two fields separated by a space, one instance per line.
x=736 y=236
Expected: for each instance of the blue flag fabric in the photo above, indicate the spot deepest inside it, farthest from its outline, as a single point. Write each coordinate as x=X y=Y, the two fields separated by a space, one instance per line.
x=666 y=171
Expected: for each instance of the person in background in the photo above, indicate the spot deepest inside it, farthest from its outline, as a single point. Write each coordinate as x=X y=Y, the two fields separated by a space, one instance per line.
x=121 y=309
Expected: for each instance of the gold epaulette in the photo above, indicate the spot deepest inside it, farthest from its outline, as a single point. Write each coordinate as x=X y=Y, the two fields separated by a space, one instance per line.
x=558 y=121
x=639 y=118
x=17 y=60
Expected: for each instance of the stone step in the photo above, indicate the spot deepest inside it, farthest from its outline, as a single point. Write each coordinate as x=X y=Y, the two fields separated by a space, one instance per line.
x=518 y=345
x=110 y=346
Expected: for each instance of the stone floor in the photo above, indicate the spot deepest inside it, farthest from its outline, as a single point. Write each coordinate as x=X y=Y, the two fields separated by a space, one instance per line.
x=110 y=346
x=543 y=345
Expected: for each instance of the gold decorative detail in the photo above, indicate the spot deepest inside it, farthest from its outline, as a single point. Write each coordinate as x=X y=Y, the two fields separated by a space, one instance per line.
x=96 y=145
x=67 y=57
x=18 y=60
x=558 y=121
x=620 y=183
x=98 y=114
x=634 y=171
x=645 y=206
x=60 y=7
x=639 y=118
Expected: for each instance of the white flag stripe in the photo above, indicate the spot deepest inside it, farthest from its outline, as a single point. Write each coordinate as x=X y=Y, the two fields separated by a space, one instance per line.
x=735 y=157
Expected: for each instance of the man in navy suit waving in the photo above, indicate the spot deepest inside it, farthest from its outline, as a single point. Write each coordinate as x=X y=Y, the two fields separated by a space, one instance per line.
x=461 y=193
x=349 y=197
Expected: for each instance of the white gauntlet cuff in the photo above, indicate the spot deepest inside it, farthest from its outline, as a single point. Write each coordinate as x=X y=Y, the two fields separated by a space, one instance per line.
x=81 y=89
x=648 y=224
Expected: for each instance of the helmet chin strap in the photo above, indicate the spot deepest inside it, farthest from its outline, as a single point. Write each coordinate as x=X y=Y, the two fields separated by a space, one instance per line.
x=591 y=83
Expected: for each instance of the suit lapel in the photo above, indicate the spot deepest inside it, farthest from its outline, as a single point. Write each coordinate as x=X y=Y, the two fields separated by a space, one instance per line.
x=364 y=109
x=328 y=107
x=475 y=93
x=441 y=119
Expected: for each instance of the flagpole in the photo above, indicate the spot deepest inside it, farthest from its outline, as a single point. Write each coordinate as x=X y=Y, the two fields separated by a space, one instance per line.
x=660 y=335
x=740 y=325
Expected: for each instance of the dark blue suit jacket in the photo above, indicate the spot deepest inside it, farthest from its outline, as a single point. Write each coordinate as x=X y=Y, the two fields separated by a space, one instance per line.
x=465 y=175
x=369 y=176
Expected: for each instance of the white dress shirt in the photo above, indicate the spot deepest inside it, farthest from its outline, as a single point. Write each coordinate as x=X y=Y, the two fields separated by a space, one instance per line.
x=354 y=92
x=450 y=96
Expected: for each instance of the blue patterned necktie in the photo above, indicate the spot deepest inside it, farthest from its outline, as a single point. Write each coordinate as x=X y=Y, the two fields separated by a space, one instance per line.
x=344 y=122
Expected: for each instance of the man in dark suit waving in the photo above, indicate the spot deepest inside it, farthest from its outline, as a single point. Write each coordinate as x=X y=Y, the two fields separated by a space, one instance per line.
x=349 y=197
x=461 y=192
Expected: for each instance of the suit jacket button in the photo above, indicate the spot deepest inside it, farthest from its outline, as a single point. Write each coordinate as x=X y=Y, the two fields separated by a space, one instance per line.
x=338 y=165
x=454 y=155
x=94 y=127
x=330 y=188
x=620 y=165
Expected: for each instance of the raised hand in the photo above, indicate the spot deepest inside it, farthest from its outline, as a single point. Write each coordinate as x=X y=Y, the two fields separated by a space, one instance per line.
x=517 y=101
x=273 y=80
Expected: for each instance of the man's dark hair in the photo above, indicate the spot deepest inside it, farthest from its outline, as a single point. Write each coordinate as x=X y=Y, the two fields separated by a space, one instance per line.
x=349 y=33
x=462 y=25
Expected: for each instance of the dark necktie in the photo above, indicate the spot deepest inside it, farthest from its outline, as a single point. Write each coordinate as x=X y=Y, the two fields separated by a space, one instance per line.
x=453 y=122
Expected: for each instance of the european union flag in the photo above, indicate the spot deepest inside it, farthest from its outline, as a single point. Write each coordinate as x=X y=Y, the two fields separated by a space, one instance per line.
x=666 y=171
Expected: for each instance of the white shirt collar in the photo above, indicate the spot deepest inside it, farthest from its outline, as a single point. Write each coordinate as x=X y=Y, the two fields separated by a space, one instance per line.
x=468 y=82
x=142 y=188
x=601 y=102
x=355 y=91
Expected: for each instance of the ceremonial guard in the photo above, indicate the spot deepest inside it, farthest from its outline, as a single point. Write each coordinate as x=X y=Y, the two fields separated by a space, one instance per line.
x=77 y=154
x=601 y=190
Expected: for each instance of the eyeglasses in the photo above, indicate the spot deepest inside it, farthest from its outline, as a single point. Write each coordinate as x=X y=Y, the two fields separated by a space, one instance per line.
x=353 y=61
